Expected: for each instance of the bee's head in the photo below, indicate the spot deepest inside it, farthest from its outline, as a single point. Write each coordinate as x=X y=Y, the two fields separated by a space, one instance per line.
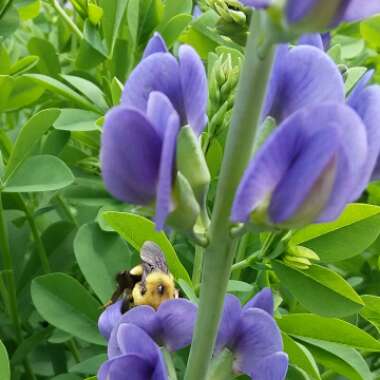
x=157 y=288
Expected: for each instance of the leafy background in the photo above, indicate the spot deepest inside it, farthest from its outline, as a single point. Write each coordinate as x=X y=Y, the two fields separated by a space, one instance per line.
x=62 y=66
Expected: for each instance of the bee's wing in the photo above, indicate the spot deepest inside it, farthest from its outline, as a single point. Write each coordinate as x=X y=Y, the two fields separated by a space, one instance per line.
x=152 y=255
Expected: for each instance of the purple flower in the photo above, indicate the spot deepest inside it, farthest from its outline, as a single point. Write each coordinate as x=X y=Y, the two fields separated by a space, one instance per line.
x=320 y=14
x=320 y=156
x=253 y=337
x=139 y=358
x=258 y=4
x=139 y=137
x=170 y=326
x=365 y=100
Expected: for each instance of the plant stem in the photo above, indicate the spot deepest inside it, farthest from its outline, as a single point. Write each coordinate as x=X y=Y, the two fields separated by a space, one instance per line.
x=245 y=263
x=219 y=255
x=67 y=19
x=8 y=268
x=240 y=256
x=197 y=266
x=65 y=207
x=40 y=248
x=169 y=364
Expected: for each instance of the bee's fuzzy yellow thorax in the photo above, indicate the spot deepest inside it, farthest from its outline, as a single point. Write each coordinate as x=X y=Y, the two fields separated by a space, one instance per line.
x=158 y=287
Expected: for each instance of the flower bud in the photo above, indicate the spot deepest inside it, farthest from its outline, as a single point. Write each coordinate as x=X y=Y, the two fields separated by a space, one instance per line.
x=300 y=257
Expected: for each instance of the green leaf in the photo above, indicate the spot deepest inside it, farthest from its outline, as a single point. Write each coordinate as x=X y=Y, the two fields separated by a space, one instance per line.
x=353 y=75
x=137 y=229
x=65 y=303
x=24 y=64
x=29 y=135
x=61 y=89
x=328 y=329
x=39 y=173
x=29 y=344
x=370 y=31
x=238 y=286
x=188 y=290
x=350 y=363
x=48 y=59
x=319 y=290
x=171 y=30
x=66 y=376
x=18 y=92
x=296 y=373
x=175 y=7
x=9 y=22
x=371 y=310
x=353 y=232
x=29 y=9
x=113 y=15
x=100 y=256
x=90 y=365
x=92 y=52
x=300 y=356
x=5 y=371
x=133 y=18
x=73 y=119
x=88 y=89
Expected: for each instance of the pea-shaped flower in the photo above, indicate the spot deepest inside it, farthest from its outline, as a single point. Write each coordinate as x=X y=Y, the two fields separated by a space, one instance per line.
x=252 y=336
x=138 y=150
x=322 y=153
x=139 y=358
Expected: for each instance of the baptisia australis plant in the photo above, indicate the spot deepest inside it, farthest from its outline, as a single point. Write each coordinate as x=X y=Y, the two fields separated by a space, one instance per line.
x=319 y=156
x=163 y=102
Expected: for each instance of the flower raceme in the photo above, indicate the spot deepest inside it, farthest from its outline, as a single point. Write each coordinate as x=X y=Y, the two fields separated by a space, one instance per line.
x=249 y=334
x=322 y=154
x=138 y=152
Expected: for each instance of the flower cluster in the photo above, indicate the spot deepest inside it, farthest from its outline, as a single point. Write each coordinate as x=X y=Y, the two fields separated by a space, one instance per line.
x=324 y=150
x=250 y=334
x=138 y=153
x=134 y=338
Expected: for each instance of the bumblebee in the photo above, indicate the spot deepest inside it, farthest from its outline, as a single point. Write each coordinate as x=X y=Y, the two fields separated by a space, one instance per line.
x=149 y=283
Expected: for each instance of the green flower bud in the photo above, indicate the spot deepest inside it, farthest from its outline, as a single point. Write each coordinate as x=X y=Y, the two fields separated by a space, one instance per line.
x=192 y=163
x=95 y=13
x=300 y=257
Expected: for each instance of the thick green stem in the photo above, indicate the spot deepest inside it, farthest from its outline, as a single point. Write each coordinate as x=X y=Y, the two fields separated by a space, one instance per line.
x=221 y=250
